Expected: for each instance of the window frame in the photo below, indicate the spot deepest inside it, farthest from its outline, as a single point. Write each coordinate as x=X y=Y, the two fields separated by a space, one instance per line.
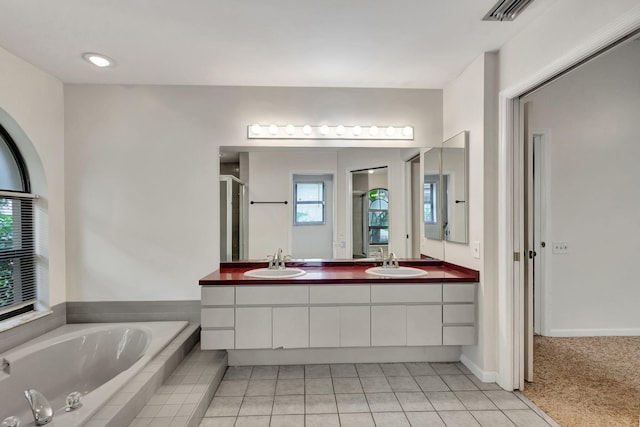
x=433 y=203
x=26 y=248
x=322 y=202
x=369 y=210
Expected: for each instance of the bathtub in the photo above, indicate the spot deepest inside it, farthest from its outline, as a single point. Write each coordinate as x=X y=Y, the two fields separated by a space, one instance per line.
x=94 y=359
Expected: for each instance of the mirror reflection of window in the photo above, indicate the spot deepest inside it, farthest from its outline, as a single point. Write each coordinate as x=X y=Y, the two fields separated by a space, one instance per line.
x=309 y=203
x=431 y=202
x=378 y=216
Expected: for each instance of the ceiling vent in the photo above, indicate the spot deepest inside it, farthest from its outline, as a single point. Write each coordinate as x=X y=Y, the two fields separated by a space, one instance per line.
x=506 y=10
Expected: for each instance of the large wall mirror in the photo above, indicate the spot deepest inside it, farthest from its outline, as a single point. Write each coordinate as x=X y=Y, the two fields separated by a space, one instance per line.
x=370 y=211
x=355 y=202
x=446 y=172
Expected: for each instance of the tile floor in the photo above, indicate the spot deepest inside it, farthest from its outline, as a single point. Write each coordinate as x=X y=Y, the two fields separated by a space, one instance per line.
x=360 y=395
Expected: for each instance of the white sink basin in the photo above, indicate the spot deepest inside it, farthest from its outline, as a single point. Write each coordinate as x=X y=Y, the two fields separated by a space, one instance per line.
x=265 y=273
x=396 y=272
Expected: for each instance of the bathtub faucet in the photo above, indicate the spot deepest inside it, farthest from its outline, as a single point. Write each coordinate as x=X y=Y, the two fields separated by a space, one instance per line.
x=40 y=406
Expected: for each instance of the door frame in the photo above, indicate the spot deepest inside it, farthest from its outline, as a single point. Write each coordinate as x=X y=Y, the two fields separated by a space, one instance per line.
x=510 y=321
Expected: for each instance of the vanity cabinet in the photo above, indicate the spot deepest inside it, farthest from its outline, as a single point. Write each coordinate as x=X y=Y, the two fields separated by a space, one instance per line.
x=344 y=326
x=417 y=320
x=290 y=327
x=332 y=316
x=253 y=327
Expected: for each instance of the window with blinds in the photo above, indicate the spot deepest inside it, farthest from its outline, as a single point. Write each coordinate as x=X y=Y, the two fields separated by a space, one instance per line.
x=17 y=237
x=17 y=254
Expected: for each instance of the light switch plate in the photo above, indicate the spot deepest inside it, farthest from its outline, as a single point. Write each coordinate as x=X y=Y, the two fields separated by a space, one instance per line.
x=475 y=249
x=560 y=248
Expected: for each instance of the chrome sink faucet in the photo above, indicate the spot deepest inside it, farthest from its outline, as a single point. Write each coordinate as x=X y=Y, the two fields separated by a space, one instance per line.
x=392 y=262
x=389 y=262
x=40 y=406
x=277 y=260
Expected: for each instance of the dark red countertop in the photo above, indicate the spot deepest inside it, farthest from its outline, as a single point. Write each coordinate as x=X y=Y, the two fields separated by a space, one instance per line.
x=340 y=272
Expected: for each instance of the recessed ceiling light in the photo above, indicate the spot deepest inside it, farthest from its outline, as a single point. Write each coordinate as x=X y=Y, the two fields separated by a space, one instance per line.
x=97 y=59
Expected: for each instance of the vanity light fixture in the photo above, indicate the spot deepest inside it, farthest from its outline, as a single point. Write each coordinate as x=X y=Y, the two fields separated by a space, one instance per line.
x=256 y=129
x=97 y=59
x=272 y=131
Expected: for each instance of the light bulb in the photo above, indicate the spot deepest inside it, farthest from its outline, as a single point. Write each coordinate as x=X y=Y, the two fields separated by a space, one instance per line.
x=290 y=129
x=357 y=130
x=324 y=129
x=370 y=170
x=407 y=131
x=256 y=129
x=306 y=129
x=390 y=131
x=373 y=130
x=97 y=59
x=339 y=130
x=273 y=129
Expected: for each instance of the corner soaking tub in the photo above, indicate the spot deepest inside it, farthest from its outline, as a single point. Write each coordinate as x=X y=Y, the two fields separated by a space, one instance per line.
x=94 y=359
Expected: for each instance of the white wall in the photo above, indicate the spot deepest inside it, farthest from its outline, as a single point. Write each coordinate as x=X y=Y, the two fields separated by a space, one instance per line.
x=591 y=138
x=270 y=174
x=142 y=172
x=565 y=32
x=32 y=111
x=469 y=103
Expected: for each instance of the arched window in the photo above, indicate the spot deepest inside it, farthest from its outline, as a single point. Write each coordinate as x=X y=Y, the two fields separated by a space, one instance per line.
x=17 y=247
x=378 y=216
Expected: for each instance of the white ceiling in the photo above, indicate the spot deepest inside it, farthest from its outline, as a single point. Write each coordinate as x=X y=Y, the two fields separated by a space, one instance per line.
x=321 y=43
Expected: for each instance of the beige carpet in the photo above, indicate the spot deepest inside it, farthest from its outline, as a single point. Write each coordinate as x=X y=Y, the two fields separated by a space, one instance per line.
x=587 y=381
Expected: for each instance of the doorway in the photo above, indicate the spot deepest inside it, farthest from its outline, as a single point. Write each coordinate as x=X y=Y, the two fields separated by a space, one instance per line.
x=591 y=164
x=232 y=224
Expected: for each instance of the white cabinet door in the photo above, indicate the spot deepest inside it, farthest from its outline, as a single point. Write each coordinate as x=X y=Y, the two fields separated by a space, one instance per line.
x=424 y=325
x=324 y=327
x=388 y=325
x=355 y=326
x=253 y=327
x=290 y=327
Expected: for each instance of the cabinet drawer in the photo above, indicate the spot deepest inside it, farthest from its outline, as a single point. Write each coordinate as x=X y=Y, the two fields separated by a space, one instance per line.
x=217 y=317
x=217 y=295
x=342 y=294
x=216 y=340
x=459 y=293
x=458 y=335
x=458 y=313
x=406 y=293
x=272 y=295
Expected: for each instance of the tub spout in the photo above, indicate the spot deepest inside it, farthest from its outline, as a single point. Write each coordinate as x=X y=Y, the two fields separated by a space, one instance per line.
x=40 y=406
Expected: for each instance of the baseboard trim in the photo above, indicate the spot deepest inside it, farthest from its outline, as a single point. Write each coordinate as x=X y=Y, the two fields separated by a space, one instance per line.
x=344 y=355
x=484 y=376
x=627 y=332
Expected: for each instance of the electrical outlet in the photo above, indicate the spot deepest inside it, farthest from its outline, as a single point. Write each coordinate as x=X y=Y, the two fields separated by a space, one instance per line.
x=475 y=249
x=560 y=248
